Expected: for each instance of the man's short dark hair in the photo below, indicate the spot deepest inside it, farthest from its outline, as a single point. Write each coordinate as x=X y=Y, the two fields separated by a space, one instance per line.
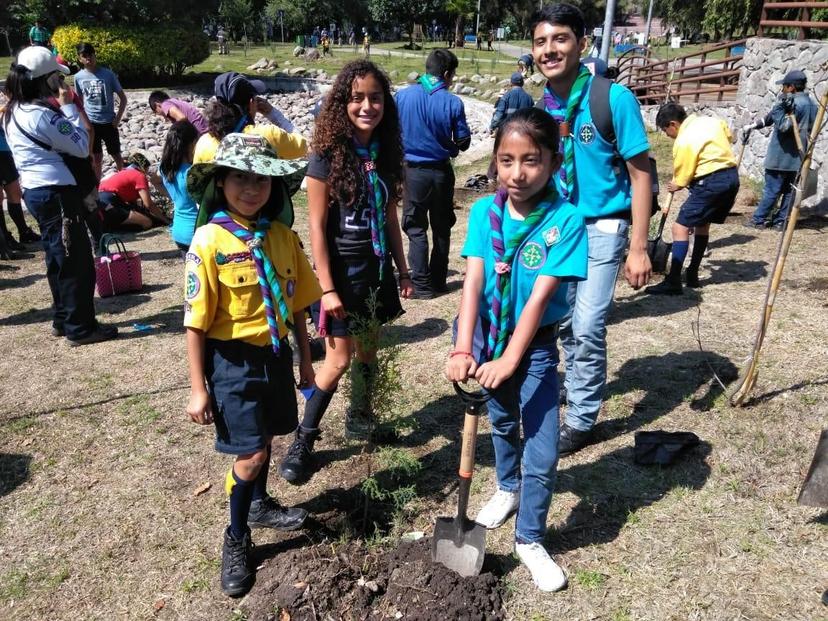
x=441 y=62
x=85 y=49
x=668 y=113
x=559 y=15
x=157 y=98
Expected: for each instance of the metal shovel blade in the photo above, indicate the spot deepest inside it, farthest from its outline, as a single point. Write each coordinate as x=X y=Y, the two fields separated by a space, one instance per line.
x=814 y=491
x=459 y=544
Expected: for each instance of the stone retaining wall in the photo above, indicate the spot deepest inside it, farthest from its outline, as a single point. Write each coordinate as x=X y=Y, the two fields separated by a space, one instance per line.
x=765 y=62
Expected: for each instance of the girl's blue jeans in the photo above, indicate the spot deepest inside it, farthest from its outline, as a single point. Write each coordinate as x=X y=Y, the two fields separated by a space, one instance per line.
x=529 y=398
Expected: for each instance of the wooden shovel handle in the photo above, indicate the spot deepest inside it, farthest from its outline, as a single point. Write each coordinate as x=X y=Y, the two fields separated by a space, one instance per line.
x=469 y=446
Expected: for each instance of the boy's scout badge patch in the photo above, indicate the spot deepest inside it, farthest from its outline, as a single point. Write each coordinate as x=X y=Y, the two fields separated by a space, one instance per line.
x=533 y=256
x=193 y=285
x=551 y=236
x=233 y=257
x=193 y=258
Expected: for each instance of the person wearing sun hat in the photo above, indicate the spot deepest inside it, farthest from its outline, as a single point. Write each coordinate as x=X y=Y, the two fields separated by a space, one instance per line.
x=247 y=283
x=233 y=109
x=40 y=136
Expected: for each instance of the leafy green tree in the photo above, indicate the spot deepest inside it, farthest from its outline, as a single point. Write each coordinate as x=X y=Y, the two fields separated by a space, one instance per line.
x=724 y=18
x=238 y=17
x=407 y=12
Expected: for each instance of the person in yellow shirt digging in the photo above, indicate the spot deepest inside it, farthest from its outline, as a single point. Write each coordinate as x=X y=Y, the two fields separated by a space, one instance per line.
x=703 y=163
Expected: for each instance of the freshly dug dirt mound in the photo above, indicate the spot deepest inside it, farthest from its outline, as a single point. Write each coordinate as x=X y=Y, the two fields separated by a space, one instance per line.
x=352 y=583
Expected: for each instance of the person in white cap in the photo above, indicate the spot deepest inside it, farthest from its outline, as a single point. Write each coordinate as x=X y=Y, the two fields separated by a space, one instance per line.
x=42 y=140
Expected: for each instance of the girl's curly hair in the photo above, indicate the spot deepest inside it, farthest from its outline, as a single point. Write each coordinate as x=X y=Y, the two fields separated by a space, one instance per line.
x=333 y=137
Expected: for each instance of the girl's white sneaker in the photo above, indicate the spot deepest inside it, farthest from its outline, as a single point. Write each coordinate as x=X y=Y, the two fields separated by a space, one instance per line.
x=546 y=573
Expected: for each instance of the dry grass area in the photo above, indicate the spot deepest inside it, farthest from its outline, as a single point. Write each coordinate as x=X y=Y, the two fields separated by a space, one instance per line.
x=100 y=469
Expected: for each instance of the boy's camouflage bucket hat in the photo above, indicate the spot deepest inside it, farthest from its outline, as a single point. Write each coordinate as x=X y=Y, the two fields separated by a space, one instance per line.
x=250 y=153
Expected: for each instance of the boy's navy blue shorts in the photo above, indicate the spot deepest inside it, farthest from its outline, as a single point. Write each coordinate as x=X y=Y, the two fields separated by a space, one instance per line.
x=252 y=394
x=711 y=198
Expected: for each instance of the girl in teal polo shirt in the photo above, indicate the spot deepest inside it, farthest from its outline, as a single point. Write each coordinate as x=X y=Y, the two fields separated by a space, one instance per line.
x=522 y=243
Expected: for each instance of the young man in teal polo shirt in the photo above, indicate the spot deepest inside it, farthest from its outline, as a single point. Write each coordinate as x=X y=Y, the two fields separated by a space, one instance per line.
x=611 y=188
x=434 y=129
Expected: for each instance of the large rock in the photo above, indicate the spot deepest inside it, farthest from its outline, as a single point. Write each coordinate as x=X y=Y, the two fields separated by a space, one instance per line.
x=259 y=64
x=312 y=54
x=298 y=51
x=297 y=70
x=412 y=77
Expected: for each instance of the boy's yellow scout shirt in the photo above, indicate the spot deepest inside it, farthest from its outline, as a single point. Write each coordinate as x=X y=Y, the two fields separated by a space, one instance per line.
x=702 y=147
x=289 y=146
x=222 y=293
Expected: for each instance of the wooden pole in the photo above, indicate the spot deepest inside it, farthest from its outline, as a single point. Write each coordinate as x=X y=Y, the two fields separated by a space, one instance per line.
x=751 y=371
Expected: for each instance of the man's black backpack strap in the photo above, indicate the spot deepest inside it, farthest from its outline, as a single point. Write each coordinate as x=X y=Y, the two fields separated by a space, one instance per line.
x=599 y=110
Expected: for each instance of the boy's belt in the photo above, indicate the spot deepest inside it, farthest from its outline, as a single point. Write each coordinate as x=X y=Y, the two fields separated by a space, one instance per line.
x=544 y=335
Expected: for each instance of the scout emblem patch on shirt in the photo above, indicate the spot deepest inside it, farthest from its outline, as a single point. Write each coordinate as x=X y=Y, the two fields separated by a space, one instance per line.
x=233 y=257
x=533 y=256
x=192 y=257
x=551 y=236
x=65 y=128
x=587 y=133
x=193 y=285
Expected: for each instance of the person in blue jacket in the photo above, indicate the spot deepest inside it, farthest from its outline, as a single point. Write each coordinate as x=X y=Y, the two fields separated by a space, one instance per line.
x=511 y=101
x=783 y=158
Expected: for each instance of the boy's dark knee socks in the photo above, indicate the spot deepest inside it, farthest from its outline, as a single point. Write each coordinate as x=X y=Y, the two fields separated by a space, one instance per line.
x=241 y=494
x=260 y=482
x=316 y=406
x=699 y=246
x=16 y=214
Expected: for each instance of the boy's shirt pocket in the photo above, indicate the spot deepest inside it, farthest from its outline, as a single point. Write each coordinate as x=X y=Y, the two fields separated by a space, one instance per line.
x=240 y=293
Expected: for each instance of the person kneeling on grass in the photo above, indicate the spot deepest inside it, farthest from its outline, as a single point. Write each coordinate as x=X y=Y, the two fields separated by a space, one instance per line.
x=703 y=162
x=522 y=245
x=247 y=283
x=118 y=196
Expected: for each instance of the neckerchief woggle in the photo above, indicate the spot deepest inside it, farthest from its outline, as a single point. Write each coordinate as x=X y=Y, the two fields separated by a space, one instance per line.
x=553 y=105
x=268 y=281
x=368 y=157
x=431 y=83
x=504 y=253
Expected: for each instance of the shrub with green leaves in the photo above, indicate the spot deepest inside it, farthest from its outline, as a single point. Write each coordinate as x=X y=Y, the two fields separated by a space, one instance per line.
x=137 y=52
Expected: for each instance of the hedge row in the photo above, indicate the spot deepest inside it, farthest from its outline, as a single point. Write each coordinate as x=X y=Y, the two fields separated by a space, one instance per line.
x=136 y=52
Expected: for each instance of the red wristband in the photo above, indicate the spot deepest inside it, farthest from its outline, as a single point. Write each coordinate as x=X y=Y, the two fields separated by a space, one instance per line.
x=459 y=353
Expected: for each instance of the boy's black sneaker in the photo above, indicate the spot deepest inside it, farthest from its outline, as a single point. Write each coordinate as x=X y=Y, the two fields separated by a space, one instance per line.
x=665 y=287
x=572 y=440
x=298 y=464
x=236 y=575
x=267 y=513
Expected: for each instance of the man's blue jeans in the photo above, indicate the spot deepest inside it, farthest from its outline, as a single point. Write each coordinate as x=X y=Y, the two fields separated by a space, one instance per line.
x=530 y=398
x=69 y=266
x=584 y=329
x=777 y=182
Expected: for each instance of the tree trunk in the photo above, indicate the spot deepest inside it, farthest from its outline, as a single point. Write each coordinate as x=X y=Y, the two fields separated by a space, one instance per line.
x=458 y=31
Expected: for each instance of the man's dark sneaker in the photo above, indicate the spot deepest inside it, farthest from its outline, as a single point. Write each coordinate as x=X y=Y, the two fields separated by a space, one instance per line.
x=691 y=279
x=422 y=294
x=267 y=513
x=779 y=226
x=755 y=225
x=102 y=332
x=440 y=288
x=29 y=237
x=572 y=440
x=665 y=287
x=298 y=464
x=13 y=244
x=236 y=575
x=58 y=331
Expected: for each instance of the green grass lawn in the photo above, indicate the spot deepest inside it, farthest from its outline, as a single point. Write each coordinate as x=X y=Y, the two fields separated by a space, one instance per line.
x=390 y=56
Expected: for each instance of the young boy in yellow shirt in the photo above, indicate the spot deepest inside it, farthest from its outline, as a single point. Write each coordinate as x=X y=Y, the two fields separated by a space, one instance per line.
x=703 y=163
x=247 y=283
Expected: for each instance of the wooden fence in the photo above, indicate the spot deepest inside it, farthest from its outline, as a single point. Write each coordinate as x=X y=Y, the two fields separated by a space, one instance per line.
x=782 y=11
x=690 y=77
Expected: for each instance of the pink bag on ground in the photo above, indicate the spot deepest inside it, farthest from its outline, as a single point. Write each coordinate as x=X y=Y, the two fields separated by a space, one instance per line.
x=117 y=272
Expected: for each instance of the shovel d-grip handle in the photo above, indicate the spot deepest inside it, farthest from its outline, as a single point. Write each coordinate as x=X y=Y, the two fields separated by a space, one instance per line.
x=475 y=398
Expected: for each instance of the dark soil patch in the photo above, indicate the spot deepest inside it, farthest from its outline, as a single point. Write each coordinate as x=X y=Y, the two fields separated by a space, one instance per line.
x=351 y=582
